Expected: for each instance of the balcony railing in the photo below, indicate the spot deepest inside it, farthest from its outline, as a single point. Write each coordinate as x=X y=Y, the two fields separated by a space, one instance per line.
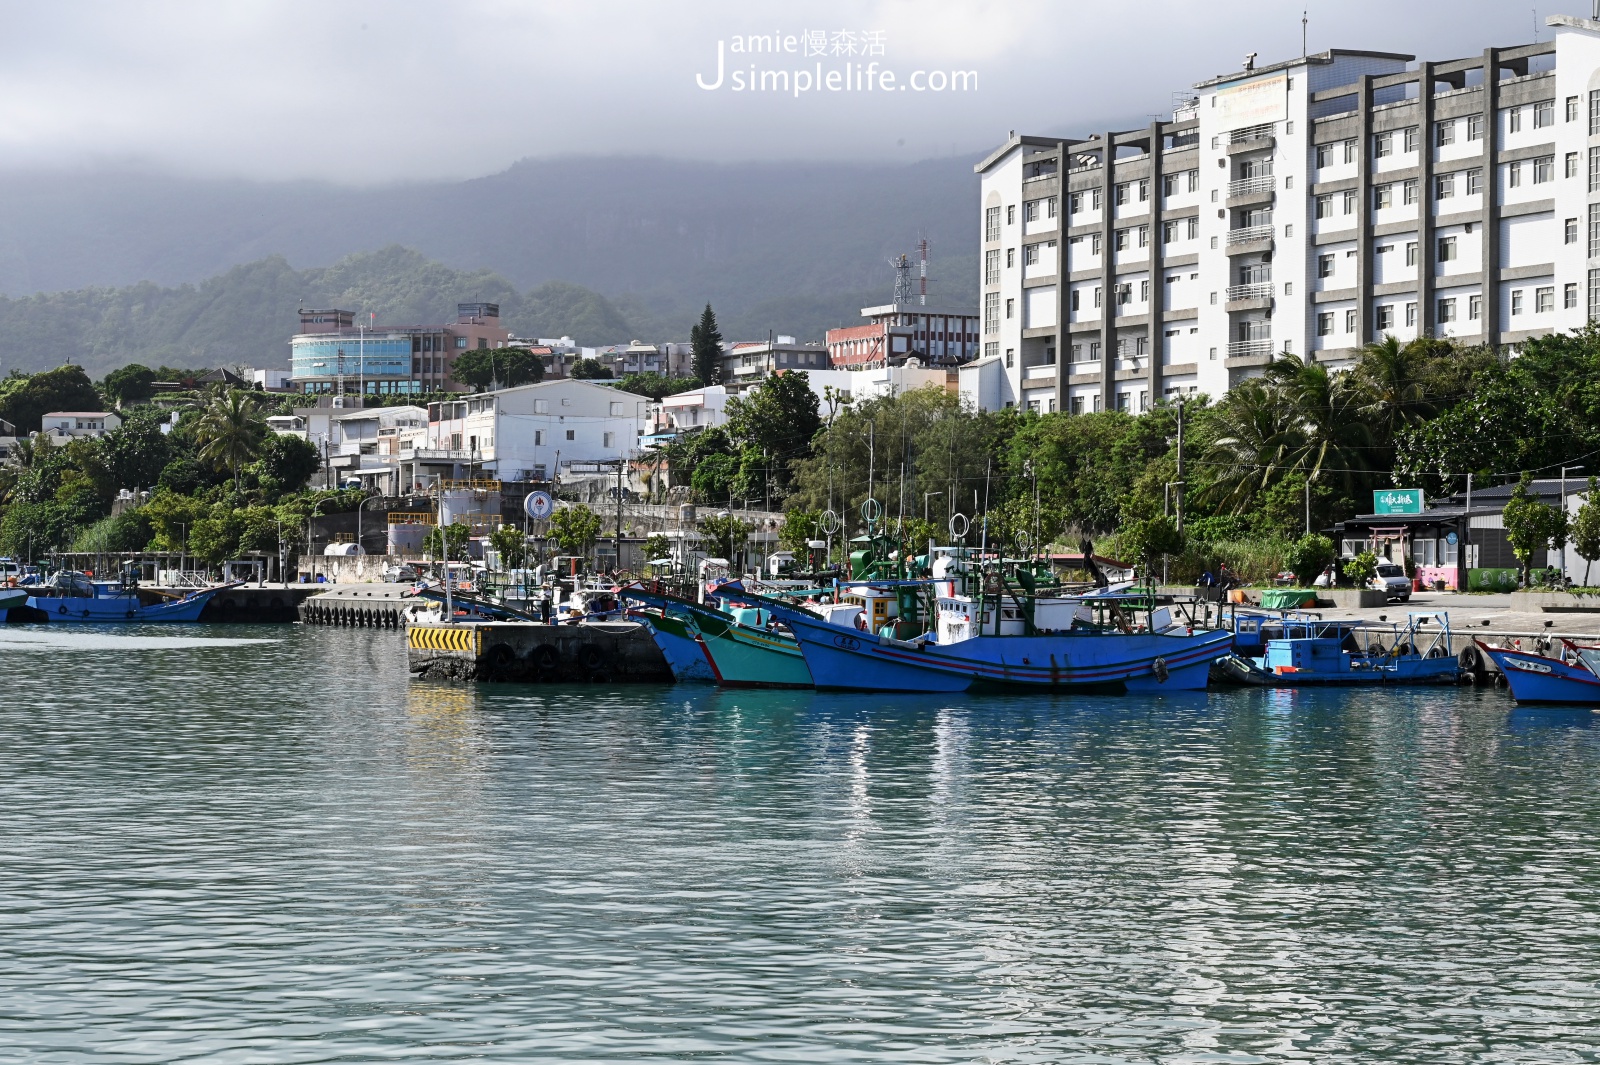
x=1251 y=133
x=1250 y=234
x=1259 y=291
x=1251 y=186
x=1245 y=349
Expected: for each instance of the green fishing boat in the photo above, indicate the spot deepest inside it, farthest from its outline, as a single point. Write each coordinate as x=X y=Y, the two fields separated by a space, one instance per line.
x=745 y=653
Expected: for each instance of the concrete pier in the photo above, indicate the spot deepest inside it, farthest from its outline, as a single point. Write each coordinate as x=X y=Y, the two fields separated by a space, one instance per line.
x=605 y=652
x=384 y=606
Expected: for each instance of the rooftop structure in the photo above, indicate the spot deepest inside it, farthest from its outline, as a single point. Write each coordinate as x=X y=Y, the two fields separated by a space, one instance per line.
x=331 y=354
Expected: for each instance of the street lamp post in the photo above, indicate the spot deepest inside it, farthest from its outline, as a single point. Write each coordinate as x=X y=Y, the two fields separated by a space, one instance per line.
x=1563 y=506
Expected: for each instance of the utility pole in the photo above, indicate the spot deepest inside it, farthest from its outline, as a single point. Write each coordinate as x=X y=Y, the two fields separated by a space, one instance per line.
x=619 y=515
x=1180 y=466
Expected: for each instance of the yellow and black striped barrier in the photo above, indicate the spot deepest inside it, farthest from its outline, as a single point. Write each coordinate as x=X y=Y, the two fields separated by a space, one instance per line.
x=462 y=638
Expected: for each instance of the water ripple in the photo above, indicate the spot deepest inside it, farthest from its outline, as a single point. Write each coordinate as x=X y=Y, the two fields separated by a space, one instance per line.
x=283 y=851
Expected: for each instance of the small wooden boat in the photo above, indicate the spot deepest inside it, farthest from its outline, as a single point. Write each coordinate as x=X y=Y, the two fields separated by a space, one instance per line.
x=1311 y=652
x=1572 y=679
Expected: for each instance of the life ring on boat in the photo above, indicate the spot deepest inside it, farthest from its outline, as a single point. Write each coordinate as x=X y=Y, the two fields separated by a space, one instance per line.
x=85 y=611
x=62 y=609
x=861 y=620
x=130 y=613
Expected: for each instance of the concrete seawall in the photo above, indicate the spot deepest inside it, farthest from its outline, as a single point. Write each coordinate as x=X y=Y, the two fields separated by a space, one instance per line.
x=614 y=651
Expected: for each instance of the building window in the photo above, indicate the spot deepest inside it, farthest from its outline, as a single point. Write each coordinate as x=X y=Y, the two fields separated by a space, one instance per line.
x=461 y=343
x=1324 y=155
x=1144 y=189
x=1514 y=120
x=1169 y=232
x=1447 y=249
x=1325 y=205
x=1325 y=323
x=1011 y=357
x=991 y=266
x=1097 y=296
x=1572 y=164
x=1124 y=295
x=1144 y=236
x=1194 y=228
x=991 y=312
x=608 y=440
x=1474 y=127
x=1594 y=275
x=1447 y=311
x=1474 y=182
x=572 y=434
x=1094 y=244
x=1516 y=301
x=1544 y=169
x=1544 y=299
x=1050 y=207
x=1408 y=191
x=1074 y=203
x=1544 y=114
x=1383 y=197
x=1350 y=320
x=1194 y=181
x=1572 y=109
x=1073 y=298
x=1411 y=253
x=991 y=349
x=991 y=224
x=1569 y=296
x=1030 y=255
x=1011 y=214
x=1385 y=317
x=1474 y=307
x=1350 y=150
x=1011 y=258
x=1594 y=169
x=1411 y=138
x=1383 y=145
x=1120 y=238
x=1324 y=266
x=1411 y=314
x=1444 y=186
x=1594 y=231
x=1171 y=184
x=1011 y=308
x=1444 y=133
x=1120 y=194
x=1514 y=175
x=1030 y=211
x=1570 y=231
x=1144 y=291
x=1350 y=201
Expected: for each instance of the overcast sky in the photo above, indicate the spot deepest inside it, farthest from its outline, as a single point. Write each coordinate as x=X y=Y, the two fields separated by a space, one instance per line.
x=365 y=91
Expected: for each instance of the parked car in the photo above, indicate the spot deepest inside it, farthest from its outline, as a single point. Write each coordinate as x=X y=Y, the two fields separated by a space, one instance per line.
x=1392 y=581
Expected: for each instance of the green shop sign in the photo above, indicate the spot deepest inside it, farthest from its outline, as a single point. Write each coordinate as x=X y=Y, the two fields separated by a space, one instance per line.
x=1397 y=501
x=1491 y=580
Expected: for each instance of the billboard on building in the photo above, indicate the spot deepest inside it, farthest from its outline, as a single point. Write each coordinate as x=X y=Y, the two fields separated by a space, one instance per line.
x=1397 y=501
x=1254 y=103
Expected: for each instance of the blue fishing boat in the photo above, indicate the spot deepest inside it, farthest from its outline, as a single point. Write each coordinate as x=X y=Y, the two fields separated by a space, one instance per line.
x=1572 y=679
x=1107 y=641
x=74 y=597
x=1310 y=652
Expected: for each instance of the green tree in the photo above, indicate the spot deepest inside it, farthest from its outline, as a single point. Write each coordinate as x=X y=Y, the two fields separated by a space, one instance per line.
x=287 y=462
x=713 y=478
x=574 y=529
x=231 y=431
x=723 y=535
x=26 y=398
x=1146 y=540
x=779 y=419
x=1308 y=556
x=128 y=385
x=657 y=546
x=800 y=527
x=511 y=546
x=656 y=385
x=705 y=341
x=1531 y=525
x=136 y=452
x=590 y=370
x=506 y=367
x=453 y=537
x=1361 y=569
x=1390 y=375
x=1586 y=528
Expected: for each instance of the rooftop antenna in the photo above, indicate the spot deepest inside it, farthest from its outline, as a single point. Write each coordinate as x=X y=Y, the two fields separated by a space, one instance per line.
x=902 y=278
x=1250 y=61
x=922 y=278
x=1304 y=19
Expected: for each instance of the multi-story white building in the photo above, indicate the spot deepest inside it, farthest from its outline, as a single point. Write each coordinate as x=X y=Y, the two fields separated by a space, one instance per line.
x=1308 y=207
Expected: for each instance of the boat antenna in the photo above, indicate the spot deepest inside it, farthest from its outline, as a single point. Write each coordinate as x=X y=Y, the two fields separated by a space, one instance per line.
x=1087 y=546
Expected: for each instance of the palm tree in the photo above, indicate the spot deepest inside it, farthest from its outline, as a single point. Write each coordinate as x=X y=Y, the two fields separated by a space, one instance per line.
x=231 y=431
x=1257 y=427
x=1396 y=397
x=1330 y=433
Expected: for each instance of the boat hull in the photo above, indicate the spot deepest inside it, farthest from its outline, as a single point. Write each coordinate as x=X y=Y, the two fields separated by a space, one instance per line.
x=118 y=609
x=741 y=657
x=679 y=646
x=846 y=661
x=1538 y=679
x=1240 y=670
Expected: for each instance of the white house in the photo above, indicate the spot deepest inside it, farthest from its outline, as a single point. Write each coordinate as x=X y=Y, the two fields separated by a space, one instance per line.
x=70 y=423
x=531 y=432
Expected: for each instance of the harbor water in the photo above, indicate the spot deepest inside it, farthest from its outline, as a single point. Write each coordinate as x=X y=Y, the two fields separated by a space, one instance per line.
x=267 y=844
